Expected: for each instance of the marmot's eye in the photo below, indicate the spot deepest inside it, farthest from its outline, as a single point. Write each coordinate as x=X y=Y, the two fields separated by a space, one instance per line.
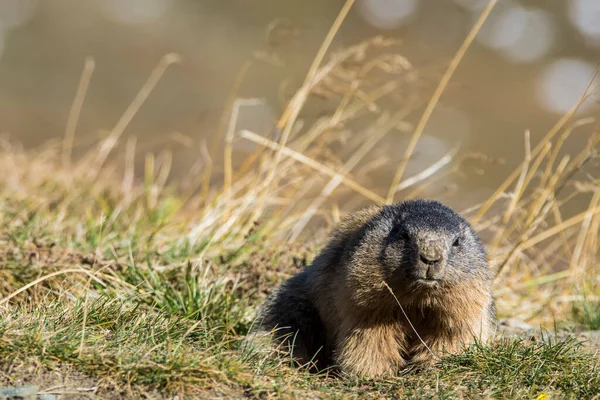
x=399 y=233
x=404 y=236
x=457 y=241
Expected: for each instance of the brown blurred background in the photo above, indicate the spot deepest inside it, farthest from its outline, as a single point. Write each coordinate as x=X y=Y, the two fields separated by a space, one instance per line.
x=531 y=62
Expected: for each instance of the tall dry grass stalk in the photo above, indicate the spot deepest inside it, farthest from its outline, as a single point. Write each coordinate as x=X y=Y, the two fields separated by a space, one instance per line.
x=543 y=256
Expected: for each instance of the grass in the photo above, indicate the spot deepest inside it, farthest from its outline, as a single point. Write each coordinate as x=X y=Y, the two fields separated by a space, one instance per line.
x=113 y=286
x=587 y=314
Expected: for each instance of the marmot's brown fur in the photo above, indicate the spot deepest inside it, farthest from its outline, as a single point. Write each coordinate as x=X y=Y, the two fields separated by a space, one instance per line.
x=395 y=285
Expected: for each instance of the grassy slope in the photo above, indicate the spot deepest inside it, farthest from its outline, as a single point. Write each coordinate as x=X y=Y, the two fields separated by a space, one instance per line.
x=137 y=310
x=110 y=287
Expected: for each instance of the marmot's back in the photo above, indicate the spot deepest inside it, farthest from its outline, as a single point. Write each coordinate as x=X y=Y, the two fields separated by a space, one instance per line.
x=415 y=261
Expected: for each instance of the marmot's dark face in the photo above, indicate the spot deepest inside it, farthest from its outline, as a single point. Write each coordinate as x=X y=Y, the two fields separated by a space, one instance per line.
x=423 y=246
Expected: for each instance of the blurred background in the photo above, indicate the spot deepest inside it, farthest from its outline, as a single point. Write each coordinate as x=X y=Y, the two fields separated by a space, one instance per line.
x=531 y=62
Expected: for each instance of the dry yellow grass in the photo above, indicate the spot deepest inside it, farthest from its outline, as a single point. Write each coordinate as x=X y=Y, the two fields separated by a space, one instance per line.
x=73 y=230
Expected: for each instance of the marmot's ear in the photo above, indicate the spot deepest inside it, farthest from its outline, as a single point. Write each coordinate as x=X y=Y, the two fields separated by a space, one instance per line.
x=345 y=234
x=355 y=221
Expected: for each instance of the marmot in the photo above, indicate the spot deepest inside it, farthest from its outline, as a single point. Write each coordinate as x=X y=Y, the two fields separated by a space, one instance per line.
x=395 y=285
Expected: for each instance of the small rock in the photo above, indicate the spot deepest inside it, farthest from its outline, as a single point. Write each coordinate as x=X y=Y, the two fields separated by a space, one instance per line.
x=513 y=328
x=26 y=391
x=590 y=335
x=515 y=324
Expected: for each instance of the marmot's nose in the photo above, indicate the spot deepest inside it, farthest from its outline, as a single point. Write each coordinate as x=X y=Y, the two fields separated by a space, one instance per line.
x=429 y=258
x=432 y=253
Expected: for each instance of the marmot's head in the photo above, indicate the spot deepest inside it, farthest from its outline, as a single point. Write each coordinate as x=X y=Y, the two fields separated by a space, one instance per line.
x=418 y=247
